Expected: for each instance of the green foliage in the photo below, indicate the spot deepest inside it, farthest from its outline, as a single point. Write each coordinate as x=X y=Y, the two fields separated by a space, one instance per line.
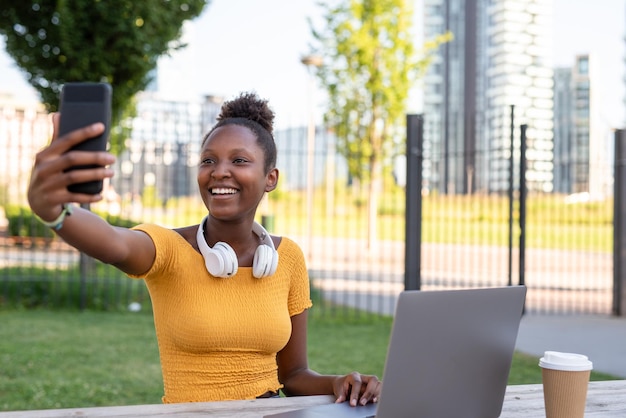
x=4 y=194
x=119 y=221
x=23 y=223
x=552 y=209
x=106 y=289
x=116 y=220
x=368 y=56
x=150 y=197
x=116 y=41
x=370 y=66
x=393 y=201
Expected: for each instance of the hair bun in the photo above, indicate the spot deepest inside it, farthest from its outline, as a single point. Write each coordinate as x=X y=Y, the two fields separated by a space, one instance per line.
x=249 y=106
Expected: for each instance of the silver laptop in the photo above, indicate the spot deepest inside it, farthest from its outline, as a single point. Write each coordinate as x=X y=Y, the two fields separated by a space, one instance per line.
x=449 y=355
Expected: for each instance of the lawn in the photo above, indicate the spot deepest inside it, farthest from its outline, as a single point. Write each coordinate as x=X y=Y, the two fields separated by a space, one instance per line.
x=61 y=359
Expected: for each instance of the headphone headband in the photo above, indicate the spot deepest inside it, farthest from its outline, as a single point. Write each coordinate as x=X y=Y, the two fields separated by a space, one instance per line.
x=258 y=229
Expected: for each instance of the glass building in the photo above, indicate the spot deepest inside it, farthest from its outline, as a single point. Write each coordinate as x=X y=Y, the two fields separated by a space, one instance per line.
x=580 y=157
x=497 y=66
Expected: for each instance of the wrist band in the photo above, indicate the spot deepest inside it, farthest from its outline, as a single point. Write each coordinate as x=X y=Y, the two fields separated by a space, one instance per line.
x=58 y=222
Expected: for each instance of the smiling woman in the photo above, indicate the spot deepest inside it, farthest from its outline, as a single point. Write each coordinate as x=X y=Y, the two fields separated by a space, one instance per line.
x=230 y=301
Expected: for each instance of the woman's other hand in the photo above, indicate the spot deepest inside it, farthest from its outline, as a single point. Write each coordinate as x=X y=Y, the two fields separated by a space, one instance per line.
x=359 y=389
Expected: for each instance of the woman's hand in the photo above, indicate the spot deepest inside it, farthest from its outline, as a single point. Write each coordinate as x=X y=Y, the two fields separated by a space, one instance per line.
x=47 y=190
x=361 y=389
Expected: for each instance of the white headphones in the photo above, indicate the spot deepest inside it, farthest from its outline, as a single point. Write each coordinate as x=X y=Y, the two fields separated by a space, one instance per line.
x=221 y=260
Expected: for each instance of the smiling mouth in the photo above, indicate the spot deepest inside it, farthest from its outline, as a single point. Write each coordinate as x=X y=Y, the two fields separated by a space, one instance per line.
x=223 y=191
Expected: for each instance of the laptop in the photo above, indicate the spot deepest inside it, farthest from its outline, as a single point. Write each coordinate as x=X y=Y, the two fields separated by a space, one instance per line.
x=449 y=355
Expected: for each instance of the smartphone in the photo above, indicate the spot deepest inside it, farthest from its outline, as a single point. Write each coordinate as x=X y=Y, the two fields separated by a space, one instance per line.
x=82 y=104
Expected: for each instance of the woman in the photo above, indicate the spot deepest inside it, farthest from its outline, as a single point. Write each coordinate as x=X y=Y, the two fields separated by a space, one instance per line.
x=229 y=301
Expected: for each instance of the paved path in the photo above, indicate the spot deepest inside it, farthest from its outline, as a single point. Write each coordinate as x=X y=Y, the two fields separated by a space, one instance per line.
x=601 y=338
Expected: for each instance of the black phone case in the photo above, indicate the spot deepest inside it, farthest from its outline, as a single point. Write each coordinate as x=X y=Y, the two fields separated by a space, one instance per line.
x=83 y=104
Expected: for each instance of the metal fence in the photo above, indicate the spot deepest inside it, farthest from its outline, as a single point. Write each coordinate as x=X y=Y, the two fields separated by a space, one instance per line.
x=560 y=246
x=467 y=240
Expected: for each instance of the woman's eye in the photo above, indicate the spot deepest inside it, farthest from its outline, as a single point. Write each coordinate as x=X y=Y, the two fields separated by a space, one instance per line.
x=207 y=161
x=239 y=160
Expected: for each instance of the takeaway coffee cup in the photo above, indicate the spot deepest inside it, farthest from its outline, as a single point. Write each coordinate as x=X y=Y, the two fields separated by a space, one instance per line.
x=565 y=380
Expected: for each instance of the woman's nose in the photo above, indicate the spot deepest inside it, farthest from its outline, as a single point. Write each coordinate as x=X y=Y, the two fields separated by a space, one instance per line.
x=220 y=170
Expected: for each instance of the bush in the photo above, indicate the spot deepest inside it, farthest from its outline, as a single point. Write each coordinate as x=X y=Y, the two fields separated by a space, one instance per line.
x=24 y=223
x=105 y=289
x=118 y=221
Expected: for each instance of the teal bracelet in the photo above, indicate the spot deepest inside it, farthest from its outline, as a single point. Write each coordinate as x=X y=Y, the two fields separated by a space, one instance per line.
x=58 y=222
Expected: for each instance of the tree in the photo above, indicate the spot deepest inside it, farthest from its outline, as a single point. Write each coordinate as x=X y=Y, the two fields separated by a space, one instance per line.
x=114 y=41
x=370 y=66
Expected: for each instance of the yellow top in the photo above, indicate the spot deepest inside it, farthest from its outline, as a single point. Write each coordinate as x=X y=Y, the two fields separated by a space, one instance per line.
x=218 y=337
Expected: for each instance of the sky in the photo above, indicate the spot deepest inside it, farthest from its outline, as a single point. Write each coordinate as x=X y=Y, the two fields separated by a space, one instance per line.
x=248 y=45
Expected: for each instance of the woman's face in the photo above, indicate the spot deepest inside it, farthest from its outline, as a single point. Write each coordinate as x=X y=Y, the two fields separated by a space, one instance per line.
x=231 y=176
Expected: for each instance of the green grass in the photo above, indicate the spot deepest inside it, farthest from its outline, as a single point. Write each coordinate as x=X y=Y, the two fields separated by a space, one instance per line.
x=54 y=359
x=61 y=359
x=456 y=219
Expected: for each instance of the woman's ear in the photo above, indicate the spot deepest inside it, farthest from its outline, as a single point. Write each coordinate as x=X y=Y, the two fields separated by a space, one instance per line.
x=271 y=180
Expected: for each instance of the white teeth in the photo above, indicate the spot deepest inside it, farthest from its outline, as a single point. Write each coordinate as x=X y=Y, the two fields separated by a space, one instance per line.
x=223 y=191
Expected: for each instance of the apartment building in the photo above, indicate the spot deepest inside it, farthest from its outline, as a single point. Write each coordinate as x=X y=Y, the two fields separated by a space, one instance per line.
x=497 y=66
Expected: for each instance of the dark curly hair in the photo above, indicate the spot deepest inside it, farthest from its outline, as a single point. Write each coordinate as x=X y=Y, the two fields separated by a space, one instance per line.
x=255 y=114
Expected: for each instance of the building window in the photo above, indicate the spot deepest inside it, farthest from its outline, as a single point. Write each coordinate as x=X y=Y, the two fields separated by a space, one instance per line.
x=583 y=65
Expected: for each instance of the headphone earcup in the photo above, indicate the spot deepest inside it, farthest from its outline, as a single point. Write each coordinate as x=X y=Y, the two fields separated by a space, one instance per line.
x=265 y=261
x=221 y=260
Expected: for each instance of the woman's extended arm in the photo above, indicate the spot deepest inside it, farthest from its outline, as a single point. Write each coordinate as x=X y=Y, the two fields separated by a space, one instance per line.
x=131 y=251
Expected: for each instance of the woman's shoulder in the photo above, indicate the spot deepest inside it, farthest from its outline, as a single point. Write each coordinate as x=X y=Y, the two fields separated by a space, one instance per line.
x=160 y=233
x=287 y=245
x=188 y=233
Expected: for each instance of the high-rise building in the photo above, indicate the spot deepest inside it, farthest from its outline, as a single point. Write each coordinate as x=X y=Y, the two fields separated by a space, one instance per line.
x=563 y=130
x=579 y=146
x=497 y=65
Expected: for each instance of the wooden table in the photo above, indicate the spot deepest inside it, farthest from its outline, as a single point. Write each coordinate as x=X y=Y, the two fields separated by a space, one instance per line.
x=604 y=399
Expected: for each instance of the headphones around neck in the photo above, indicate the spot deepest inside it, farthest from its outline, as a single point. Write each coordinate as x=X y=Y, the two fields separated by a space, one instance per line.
x=221 y=260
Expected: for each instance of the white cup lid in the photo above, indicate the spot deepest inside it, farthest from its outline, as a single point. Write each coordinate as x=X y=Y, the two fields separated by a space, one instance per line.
x=565 y=361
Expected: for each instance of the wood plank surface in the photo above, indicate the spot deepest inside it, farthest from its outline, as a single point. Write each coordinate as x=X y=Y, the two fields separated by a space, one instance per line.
x=604 y=399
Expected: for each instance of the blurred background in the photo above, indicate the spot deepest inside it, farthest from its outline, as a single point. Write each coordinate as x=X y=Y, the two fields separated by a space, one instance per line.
x=489 y=81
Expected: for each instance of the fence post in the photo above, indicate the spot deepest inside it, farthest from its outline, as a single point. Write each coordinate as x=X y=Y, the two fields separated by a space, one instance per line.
x=413 y=209
x=511 y=193
x=619 y=225
x=522 y=205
